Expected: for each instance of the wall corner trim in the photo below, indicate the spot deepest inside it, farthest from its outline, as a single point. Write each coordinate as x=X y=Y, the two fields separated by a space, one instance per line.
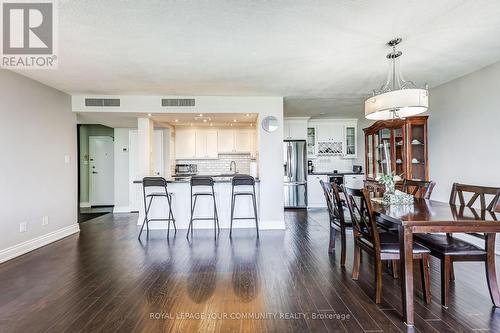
x=35 y=243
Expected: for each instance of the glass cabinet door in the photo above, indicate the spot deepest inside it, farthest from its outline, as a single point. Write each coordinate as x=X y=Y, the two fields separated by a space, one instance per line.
x=369 y=157
x=384 y=151
x=311 y=141
x=377 y=155
x=417 y=158
x=350 y=142
x=399 y=152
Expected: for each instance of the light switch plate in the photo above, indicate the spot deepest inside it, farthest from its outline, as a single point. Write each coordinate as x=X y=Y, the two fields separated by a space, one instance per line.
x=23 y=226
x=67 y=159
x=45 y=220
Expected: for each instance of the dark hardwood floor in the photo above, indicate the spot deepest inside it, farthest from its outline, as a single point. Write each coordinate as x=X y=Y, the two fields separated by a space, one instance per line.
x=104 y=279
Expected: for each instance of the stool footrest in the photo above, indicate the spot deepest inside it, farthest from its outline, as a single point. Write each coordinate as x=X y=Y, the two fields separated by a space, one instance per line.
x=149 y=220
x=244 y=218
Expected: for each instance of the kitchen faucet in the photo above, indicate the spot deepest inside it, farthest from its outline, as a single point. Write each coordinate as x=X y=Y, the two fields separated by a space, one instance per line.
x=233 y=163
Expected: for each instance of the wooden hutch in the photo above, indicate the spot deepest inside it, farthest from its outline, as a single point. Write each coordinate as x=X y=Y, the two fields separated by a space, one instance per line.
x=398 y=145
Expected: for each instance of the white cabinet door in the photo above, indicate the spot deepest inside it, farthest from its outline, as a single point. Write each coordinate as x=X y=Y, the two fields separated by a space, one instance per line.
x=211 y=138
x=225 y=141
x=315 y=196
x=201 y=144
x=242 y=141
x=323 y=132
x=350 y=141
x=185 y=143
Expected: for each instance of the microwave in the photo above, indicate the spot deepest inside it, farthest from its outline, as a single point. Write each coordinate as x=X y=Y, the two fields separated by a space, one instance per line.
x=186 y=169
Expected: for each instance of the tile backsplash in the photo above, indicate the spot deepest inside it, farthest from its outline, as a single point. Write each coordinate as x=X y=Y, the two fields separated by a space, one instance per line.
x=330 y=163
x=222 y=164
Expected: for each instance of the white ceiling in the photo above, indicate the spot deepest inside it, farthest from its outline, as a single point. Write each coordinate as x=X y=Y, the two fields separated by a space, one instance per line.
x=303 y=50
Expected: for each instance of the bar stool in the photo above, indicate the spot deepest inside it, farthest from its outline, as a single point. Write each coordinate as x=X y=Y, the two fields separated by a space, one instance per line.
x=156 y=182
x=200 y=181
x=243 y=180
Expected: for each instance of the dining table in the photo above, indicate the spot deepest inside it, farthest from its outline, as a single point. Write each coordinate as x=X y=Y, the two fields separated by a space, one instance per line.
x=429 y=216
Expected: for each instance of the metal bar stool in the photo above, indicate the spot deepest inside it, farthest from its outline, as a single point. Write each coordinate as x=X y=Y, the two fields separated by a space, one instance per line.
x=200 y=181
x=156 y=182
x=243 y=180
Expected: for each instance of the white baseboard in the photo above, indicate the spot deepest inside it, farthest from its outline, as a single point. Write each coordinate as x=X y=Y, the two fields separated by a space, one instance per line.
x=84 y=204
x=121 y=209
x=35 y=243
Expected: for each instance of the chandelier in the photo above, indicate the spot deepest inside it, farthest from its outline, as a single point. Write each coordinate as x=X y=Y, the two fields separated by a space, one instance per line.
x=397 y=98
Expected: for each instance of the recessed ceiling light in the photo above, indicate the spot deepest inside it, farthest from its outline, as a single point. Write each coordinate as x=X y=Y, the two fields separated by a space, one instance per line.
x=149 y=114
x=234 y=120
x=248 y=115
x=176 y=120
x=251 y=124
x=200 y=115
x=205 y=120
x=231 y=124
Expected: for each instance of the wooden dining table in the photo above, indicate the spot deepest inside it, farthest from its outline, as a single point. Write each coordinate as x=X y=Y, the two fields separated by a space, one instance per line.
x=429 y=216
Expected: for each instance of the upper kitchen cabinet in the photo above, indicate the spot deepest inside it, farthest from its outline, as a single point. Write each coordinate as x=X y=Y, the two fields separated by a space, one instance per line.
x=185 y=143
x=206 y=143
x=351 y=139
x=295 y=128
x=399 y=146
x=233 y=141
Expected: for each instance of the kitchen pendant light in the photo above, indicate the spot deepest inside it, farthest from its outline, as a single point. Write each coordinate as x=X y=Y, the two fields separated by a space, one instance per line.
x=397 y=98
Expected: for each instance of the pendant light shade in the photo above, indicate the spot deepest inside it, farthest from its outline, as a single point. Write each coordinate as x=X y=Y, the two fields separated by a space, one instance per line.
x=404 y=102
x=397 y=98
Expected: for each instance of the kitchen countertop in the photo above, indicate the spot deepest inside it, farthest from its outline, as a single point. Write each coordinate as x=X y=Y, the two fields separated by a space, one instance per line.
x=217 y=179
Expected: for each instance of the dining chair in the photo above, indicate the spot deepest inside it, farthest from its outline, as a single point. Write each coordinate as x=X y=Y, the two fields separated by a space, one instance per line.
x=450 y=249
x=382 y=246
x=418 y=188
x=374 y=187
x=336 y=218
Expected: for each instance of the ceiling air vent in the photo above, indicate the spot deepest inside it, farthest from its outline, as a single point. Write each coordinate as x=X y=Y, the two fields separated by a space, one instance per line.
x=177 y=102
x=102 y=102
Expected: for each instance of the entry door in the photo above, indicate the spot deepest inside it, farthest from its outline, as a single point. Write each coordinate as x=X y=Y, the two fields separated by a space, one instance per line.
x=101 y=178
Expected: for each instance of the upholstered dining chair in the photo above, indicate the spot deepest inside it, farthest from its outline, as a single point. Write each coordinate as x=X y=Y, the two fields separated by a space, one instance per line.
x=336 y=218
x=450 y=249
x=382 y=246
x=418 y=188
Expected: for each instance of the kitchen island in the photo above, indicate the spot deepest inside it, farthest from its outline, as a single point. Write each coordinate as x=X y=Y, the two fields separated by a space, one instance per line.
x=181 y=191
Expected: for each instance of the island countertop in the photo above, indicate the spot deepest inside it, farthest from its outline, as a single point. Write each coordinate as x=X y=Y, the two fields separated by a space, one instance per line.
x=217 y=178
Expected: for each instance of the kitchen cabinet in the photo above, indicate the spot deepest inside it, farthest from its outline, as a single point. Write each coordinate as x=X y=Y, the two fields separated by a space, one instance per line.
x=330 y=132
x=295 y=129
x=354 y=181
x=350 y=140
x=233 y=141
x=185 y=143
x=206 y=144
x=315 y=196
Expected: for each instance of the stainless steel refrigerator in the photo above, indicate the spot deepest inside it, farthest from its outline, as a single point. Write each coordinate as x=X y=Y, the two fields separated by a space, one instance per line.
x=295 y=178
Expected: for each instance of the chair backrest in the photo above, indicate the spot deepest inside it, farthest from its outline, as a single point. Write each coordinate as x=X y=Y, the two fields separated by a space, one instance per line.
x=201 y=181
x=154 y=182
x=418 y=188
x=363 y=221
x=477 y=192
x=243 y=180
x=333 y=202
x=374 y=187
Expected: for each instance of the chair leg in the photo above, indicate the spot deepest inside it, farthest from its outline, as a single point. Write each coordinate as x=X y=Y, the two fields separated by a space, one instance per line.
x=445 y=279
x=394 y=267
x=343 y=246
x=193 y=205
x=378 y=280
x=356 y=262
x=255 y=213
x=233 y=199
x=331 y=244
x=426 y=278
x=146 y=221
x=491 y=278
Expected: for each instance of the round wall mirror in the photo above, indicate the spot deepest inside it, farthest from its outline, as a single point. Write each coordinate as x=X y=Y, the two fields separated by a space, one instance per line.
x=270 y=124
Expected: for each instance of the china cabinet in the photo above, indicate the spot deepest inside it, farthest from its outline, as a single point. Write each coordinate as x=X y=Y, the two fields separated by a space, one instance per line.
x=399 y=146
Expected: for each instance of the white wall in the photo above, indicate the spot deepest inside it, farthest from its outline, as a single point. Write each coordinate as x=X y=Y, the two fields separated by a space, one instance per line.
x=121 y=183
x=37 y=131
x=464 y=131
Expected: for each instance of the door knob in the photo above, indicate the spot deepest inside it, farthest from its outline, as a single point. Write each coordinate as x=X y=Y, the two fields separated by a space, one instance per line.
x=94 y=172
